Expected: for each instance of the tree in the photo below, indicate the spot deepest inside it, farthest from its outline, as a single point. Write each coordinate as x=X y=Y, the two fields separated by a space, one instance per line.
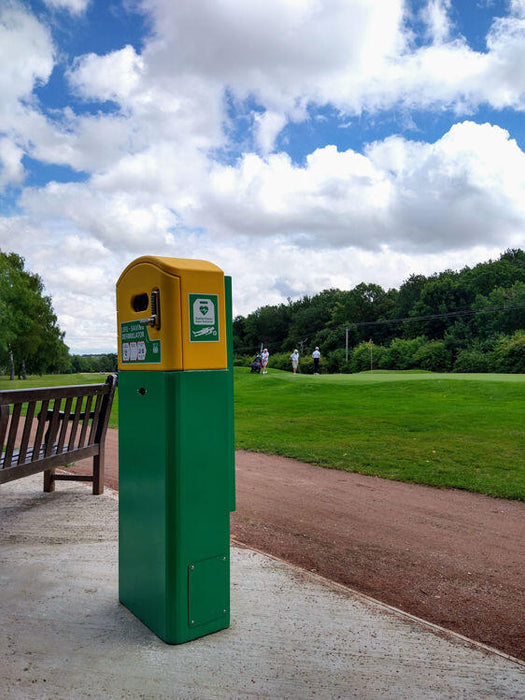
x=267 y=325
x=30 y=339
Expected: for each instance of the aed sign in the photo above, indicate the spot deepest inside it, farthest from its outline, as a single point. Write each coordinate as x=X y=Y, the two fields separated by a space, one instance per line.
x=136 y=346
x=204 y=318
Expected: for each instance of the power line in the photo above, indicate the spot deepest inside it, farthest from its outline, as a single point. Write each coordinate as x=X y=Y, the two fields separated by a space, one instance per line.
x=430 y=317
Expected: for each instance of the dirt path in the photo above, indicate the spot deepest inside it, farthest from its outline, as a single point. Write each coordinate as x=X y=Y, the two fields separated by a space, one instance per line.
x=450 y=557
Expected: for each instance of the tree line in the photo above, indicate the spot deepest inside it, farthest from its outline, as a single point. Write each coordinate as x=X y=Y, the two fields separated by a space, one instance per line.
x=472 y=320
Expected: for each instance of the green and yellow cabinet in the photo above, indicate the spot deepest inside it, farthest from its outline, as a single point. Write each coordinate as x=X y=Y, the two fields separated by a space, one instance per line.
x=176 y=445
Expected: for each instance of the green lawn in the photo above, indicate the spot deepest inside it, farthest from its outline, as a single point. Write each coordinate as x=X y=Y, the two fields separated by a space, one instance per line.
x=446 y=430
x=462 y=431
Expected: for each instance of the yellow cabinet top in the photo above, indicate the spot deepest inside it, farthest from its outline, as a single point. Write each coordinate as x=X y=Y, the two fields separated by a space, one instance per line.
x=171 y=315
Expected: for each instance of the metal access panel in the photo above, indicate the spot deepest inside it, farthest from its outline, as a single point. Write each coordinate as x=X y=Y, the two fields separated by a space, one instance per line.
x=208 y=583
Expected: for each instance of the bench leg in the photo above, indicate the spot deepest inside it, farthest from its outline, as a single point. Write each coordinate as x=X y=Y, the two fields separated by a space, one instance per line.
x=98 y=473
x=49 y=480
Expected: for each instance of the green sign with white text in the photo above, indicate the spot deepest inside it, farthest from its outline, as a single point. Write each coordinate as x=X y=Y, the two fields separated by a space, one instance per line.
x=136 y=346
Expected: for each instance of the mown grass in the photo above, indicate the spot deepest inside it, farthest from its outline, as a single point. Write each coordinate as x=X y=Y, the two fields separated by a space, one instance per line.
x=446 y=430
x=454 y=431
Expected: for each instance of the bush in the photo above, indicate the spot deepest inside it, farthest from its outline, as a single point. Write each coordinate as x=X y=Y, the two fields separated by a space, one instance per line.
x=509 y=354
x=335 y=362
x=243 y=360
x=364 y=358
x=360 y=359
x=402 y=352
x=433 y=357
x=472 y=361
x=281 y=360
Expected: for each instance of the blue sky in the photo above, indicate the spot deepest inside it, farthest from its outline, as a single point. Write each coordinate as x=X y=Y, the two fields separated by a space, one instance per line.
x=298 y=144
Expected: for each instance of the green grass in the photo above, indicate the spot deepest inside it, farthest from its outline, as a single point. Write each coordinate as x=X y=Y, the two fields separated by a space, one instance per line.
x=445 y=430
x=462 y=431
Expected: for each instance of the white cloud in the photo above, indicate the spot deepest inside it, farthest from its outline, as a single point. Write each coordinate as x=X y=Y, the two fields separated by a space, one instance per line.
x=11 y=168
x=354 y=54
x=26 y=56
x=282 y=51
x=114 y=76
x=75 y=7
x=118 y=221
x=465 y=188
x=435 y=15
x=267 y=128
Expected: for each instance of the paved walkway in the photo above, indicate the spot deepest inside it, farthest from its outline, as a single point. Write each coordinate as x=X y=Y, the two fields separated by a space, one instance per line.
x=293 y=635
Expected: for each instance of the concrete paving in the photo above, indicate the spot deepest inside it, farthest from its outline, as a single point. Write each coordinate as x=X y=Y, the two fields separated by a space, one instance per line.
x=293 y=635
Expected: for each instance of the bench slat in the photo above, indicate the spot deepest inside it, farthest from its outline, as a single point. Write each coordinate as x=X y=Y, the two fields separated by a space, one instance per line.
x=11 y=438
x=35 y=466
x=85 y=421
x=4 y=419
x=40 y=429
x=11 y=396
x=95 y=419
x=53 y=427
x=65 y=422
x=30 y=414
x=74 y=426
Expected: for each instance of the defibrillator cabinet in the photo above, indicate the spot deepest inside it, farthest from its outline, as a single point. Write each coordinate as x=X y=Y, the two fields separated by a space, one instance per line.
x=176 y=445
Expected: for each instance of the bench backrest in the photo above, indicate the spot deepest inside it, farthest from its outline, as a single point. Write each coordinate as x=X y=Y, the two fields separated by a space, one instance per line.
x=43 y=422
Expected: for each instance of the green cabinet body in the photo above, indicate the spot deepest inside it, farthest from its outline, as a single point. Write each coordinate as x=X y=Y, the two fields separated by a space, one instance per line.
x=175 y=496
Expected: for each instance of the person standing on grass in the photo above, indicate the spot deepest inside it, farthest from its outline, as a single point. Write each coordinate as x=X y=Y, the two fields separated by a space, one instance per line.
x=295 y=360
x=264 y=359
x=316 y=355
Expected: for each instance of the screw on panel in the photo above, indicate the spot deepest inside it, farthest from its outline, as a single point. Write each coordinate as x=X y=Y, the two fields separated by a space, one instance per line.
x=191 y=567
x=193 y=622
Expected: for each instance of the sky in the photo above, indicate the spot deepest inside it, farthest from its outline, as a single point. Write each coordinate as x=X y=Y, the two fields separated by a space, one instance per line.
x=300 y=145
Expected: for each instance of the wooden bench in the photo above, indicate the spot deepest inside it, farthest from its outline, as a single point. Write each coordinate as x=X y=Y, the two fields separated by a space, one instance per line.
x=41 y=429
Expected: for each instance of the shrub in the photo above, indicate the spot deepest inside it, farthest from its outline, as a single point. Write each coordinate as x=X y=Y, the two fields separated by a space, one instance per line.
x=281 y=360
x=433 y=357
x=364 y=357
x=402 y=352
x=243 y=360
x=509 y=354
x=472 y=361
x=335 y=362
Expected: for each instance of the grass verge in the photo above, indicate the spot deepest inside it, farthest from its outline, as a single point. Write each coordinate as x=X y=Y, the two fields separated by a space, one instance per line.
x=454 y=431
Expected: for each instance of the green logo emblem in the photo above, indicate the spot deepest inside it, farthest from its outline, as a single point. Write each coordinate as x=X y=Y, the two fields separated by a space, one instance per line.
x=204 y=318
